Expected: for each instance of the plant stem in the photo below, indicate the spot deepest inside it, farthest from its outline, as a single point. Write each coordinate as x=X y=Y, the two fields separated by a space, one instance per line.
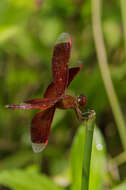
x=103 y=64
x=87 y=152
x=123 y=11
x=120 y=159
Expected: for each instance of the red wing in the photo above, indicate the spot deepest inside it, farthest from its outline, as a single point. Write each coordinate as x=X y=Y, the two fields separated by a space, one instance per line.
x=41 y=123
x=60 y=61
x=72 y=73
x=51 y=90
x=41 y=103
x=40 y=129
x=39 y=100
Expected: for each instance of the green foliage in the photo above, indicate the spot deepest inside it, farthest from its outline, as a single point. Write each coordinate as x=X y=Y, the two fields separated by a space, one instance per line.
x=17 y=160
x=28 y=30
x=28 y=179
x=77 y=158
x=98 y=160
x=18 y=179
x=120 y=187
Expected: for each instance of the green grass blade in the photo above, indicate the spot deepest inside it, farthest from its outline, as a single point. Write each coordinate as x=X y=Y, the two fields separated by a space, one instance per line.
x=98 y=160
x=87 y=153
x=76 y=157
x=123 y=11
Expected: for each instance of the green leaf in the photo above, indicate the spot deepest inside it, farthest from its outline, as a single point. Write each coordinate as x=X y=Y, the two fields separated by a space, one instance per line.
x=98 y=160
x=77 y=158
x=26 y=180
x=98 y=170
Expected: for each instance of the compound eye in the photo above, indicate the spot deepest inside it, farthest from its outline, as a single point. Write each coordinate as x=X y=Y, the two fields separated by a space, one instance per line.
x=82 y=100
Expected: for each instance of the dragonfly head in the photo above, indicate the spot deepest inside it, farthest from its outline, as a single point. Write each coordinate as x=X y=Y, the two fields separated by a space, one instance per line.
x=81 y=100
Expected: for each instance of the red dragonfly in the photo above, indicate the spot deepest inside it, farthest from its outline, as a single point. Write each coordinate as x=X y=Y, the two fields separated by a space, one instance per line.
x=54 y=96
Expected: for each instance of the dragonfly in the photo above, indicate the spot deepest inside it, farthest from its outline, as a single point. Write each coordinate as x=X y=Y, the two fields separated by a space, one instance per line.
x=54 y=96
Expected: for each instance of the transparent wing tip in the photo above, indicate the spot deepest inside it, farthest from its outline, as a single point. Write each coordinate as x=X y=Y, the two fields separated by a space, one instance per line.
x=38 y=147
x=64 y=37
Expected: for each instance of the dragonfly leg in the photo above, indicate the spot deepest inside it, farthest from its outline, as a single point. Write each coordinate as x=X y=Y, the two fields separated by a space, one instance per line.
x=78 y=113
x=88 y=114
x=83 y=115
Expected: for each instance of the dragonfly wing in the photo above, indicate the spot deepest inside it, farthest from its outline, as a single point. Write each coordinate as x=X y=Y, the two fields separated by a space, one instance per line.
x=72 y=73
x=60 y=62
x=51 y=90
x=40 y=129
x=41 y=103
x=41 y=123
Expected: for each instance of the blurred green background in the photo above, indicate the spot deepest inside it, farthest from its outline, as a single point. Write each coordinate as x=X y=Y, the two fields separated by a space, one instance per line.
x=28 y=30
